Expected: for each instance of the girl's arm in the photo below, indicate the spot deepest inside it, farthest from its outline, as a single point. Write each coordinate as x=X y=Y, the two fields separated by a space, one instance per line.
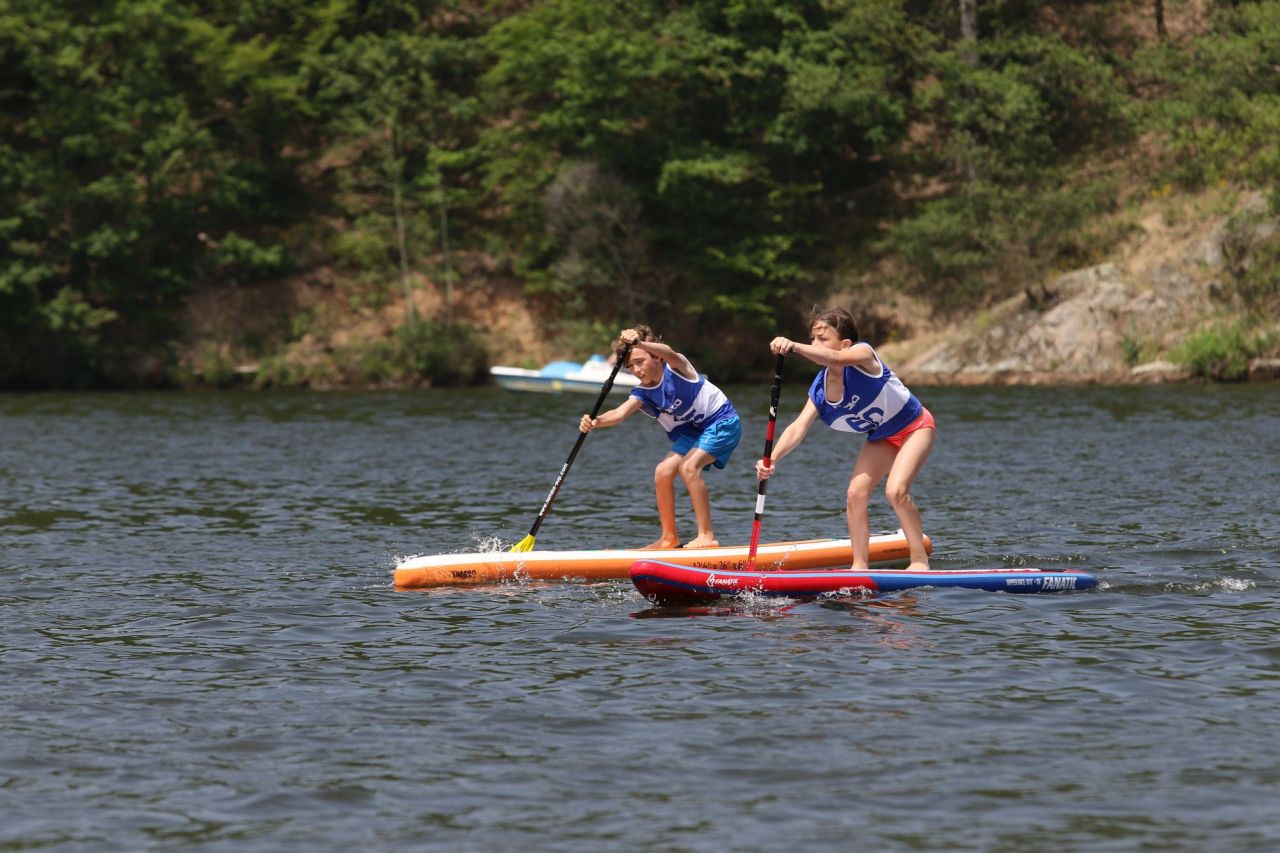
x=613 y=417
x=859 y=354
x=791 y=436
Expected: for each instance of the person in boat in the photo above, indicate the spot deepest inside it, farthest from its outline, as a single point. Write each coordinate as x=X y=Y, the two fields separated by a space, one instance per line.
x=699 y=419
x=856 y=392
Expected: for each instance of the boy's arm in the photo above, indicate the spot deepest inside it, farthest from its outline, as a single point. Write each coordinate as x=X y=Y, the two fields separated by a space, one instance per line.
x=675 y=360
x=613 y=417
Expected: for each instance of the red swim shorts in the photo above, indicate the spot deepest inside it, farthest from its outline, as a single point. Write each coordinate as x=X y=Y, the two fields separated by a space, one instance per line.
x=925 y=421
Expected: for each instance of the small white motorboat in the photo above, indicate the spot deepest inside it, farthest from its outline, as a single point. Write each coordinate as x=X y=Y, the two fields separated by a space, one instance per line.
x=559 y=376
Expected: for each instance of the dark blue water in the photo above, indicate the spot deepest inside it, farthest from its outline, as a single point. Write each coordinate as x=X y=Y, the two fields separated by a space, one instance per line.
x=201 y=647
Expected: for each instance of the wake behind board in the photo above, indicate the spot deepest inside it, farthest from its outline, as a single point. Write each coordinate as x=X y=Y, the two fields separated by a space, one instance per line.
x=667 y=583
x=473 y=568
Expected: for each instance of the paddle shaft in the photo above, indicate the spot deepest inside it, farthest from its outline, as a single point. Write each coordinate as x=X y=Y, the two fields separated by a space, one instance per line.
x=577 y=445
x=774 y=393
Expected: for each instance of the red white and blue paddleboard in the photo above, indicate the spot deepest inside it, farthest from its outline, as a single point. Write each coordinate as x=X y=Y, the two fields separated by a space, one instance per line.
x=668 y=583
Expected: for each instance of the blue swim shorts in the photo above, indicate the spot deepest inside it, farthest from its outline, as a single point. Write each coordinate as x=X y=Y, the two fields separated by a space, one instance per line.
x=719 y=440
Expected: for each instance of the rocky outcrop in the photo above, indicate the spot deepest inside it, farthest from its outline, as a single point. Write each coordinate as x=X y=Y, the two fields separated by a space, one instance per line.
x=1090 y=325
x=1113 y=322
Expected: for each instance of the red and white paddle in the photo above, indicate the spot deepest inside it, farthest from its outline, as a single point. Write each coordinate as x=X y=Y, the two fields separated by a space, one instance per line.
x=774 y=393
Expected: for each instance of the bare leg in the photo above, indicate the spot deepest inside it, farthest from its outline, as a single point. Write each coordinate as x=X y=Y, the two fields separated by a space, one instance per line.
x=874 y=461
x=911 y=458
x=691 y=473
x=664 y=484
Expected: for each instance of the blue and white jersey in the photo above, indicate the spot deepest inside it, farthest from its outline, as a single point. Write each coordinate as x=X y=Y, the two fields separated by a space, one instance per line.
x=878 y=406
x=683 y=408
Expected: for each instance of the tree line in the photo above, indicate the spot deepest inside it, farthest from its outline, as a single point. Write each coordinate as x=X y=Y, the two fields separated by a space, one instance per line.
x=712 y=163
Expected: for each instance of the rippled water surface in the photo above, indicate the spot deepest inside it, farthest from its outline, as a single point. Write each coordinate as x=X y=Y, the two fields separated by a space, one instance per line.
x=202 y=649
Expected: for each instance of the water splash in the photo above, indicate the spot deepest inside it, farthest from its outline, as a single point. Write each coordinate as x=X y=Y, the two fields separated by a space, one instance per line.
x=1211 y=586
x=488 y=543
x=1236 y=584
x=754 y=602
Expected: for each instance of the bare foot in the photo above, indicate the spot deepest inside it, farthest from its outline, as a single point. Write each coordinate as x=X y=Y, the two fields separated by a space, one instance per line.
x=918 y=566
x=662 y=544
x=703 y=542
x=857 y=568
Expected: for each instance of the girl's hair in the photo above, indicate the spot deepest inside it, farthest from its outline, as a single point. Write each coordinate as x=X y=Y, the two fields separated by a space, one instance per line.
x=646 y=334
x=838 y=319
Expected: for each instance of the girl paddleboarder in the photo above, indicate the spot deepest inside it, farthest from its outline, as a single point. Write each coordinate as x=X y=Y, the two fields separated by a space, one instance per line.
x=856 y=392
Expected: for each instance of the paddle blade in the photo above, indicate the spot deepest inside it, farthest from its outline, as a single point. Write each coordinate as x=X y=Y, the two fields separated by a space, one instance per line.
x=525 y=544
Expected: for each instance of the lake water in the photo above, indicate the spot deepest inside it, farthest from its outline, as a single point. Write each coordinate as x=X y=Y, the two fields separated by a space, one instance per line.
x=201 y=647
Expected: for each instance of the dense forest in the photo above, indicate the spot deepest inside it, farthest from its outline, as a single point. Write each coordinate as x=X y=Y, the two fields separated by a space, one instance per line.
x=707 y=165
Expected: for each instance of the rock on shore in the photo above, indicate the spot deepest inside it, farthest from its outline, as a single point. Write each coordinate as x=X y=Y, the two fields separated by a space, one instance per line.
x=1111 y=323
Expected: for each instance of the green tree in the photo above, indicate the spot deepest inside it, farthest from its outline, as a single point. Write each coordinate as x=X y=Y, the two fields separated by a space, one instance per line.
x=129 y=130
x=743 y=129
x=394 y=85
x=1219 y=105
x=1007 y=129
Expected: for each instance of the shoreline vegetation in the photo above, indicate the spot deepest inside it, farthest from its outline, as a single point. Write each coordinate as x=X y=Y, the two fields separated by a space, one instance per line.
x=401 y=194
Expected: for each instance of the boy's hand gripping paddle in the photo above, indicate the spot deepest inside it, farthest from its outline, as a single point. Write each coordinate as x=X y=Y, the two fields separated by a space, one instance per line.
x=774 y=393
x=526 y=544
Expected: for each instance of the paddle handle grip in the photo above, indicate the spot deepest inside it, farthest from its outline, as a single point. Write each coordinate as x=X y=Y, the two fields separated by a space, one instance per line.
x=774 y=394
x=577 y=445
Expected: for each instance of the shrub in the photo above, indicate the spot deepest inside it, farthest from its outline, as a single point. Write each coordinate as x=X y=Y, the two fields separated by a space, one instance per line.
x=240 y=258
x=1259 y=283
x=990 y=240
x=1132 y=348
x=443 y=355
x=1216 y=352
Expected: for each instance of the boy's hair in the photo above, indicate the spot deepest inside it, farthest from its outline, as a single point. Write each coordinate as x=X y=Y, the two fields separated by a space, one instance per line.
x=646 y=334
x=838 y=319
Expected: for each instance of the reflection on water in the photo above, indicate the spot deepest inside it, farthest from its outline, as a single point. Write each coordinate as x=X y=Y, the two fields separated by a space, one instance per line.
x=879 y=613
x=203 y=647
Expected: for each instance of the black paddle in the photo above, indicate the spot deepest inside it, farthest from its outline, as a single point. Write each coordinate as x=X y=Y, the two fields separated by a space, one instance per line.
x=526 y=544
x=774 y=393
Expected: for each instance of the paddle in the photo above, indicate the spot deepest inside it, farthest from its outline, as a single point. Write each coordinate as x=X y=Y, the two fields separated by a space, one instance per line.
x=526 y=544
x=768 y=450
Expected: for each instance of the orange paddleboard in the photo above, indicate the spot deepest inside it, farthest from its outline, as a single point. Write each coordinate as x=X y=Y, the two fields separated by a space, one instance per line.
x=474 y=568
